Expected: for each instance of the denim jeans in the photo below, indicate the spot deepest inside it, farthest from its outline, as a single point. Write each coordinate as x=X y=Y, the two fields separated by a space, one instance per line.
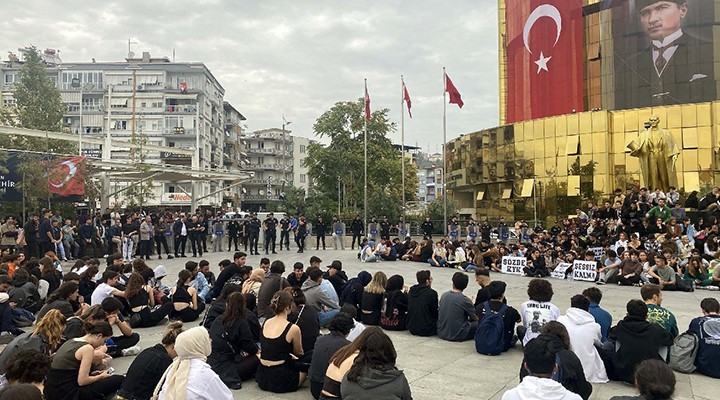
x=327 y=316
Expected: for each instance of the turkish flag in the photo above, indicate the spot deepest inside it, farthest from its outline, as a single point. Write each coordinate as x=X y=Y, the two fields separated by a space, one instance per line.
x=544 y=46
x=367 y=104
x=66 y=176
x=455 y=97
x=406 y=98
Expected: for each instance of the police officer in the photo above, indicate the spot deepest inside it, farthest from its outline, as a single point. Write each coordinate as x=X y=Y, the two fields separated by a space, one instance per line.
x=285 y=232
x=234 y=229
x=427 y=228
x=485 y=230
x=356 y=227
x=204 y=232
x=270 y=228
x=385 y=229
x=244 y=229
x=253 y=231
x=320 y=228
x=196 y=235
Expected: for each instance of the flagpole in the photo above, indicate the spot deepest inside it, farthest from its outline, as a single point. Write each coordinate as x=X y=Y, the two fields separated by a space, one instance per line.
x=444 y=183
x=402 y=145
x=365 y=202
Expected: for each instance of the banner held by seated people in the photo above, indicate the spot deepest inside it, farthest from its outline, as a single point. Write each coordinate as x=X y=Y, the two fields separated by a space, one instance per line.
x=560 y=271
x=513 y=265
x=584 y=270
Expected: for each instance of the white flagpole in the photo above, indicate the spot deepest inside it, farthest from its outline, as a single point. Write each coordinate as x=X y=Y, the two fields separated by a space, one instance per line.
x=402 y=146
x=365 y=203
x=444 y=182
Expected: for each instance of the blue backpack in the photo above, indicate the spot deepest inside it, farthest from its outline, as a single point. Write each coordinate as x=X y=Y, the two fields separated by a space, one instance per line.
x=490 y=333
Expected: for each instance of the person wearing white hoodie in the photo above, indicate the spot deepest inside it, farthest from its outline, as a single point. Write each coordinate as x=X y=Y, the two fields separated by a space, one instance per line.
x=584 y=335
x=540 y=363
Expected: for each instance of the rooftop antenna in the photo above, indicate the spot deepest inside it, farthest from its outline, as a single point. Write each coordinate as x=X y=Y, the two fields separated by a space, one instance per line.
x=173 y=54
x=130 y=53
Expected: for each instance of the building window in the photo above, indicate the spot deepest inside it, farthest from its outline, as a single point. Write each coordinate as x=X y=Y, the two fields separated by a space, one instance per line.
x=261 y=160
x=9 y=79
x=302 y=178
x=302 y=149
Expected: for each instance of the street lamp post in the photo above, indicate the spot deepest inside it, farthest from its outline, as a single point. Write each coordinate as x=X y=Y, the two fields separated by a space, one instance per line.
x=284 y=124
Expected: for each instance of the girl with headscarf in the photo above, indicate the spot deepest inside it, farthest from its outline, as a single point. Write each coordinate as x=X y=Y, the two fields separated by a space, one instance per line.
x=395 y=304
x=189 y=377
x=353 y=291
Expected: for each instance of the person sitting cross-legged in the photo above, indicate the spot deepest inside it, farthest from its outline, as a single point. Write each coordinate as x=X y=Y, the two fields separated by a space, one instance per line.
x=707 y=329
x=457 y=320
x=584 y=335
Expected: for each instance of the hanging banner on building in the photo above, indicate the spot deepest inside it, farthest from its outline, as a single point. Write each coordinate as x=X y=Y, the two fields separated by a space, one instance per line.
x=66 y=176
x=544 y=47
x=513 y=265
x=663 y=52
x=584 y=270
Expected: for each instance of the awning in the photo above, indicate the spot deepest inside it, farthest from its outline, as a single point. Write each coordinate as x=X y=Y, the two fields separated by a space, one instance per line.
x=480 y=195
x=527 y=188
x=70 y=97
x=507 y=193
x=122 y=101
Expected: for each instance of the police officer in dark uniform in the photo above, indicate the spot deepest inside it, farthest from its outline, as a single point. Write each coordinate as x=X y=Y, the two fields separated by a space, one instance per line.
x=485 y=230
x=285 y=232
x=253 y=231
x=233 y=233
x=427 y=228
x=356 y=227
x=270 y=227
x=320 y=228
x=204 y=232
x=385 y=229
x=244 y=230
x=196 y=234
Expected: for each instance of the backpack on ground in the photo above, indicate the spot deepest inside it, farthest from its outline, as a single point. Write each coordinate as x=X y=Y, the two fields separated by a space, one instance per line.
x=490 y=333
x=683 y=353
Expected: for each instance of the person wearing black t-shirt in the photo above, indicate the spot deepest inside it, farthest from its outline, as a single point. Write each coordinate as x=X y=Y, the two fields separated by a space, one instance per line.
x=320 y=228
x=236 y=267
x=270 y=227
x=285 y=232
x=496 y=290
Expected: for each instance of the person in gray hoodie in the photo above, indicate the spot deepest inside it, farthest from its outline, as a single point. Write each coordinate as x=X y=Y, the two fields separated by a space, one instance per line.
x=373 y=374
x=314 y=296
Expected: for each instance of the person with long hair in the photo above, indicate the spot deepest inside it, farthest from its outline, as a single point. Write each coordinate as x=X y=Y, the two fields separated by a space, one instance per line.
x=60 y=300
x=87 y=285
x=46 y=338
x=189 y=376
x=375 y=361
x=571 y=374
x=340 y=363
x=395 y=304
x=234 y=351
x=70 y=376
x=654 y=379
x=146 y=369
x=281 y=342
x=325 y=347
x=186 y=306
x=49 y=273
x=307 y=318
x=75 y=326
x=252 y=284
x=217 y=308
x=141 y=299
x=372 y=299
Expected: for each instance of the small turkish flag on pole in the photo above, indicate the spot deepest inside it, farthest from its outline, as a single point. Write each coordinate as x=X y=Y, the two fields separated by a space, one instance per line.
x=455 y=97
x=406 y=98
x=367 y=103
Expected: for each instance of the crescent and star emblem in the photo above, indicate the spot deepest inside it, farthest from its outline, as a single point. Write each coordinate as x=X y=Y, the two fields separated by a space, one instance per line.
x=545 y=10
x=72 y=170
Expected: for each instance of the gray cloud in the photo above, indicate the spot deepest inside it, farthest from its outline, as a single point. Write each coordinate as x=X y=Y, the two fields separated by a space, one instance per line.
x=293 y=57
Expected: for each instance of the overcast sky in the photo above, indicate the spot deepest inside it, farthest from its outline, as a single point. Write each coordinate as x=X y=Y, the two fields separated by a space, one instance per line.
x=295 y=58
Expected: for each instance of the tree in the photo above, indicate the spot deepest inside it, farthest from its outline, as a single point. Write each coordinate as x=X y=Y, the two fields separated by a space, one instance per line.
x=436 y=207
x=343 y=159
x=37 y=106
x=140 y=191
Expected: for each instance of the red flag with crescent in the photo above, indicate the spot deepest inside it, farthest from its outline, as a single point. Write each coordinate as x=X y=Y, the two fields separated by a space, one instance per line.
x=367 y=104
x=66 y=176
x=544 y=46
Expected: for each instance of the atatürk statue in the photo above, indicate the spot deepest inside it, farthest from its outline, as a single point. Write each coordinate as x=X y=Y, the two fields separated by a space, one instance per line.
x=656 y=149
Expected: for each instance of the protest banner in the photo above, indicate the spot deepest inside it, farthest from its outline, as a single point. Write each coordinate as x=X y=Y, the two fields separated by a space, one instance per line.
x=599 y=252
x=584 y=270
x=560 y=271
x=513 y=265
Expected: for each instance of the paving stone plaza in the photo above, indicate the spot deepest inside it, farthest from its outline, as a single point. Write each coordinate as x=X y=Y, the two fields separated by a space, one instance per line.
x=438 y=369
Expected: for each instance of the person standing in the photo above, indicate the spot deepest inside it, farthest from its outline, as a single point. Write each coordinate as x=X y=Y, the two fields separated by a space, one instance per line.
x=233 y=228
x=205 y=228
x=195 y=231
x=270 y=228
x=218 y=229
x=285 y=232
x=252 y=228
x=338 y=233
x=427 y=228
x=320 y=228
x=9 y=234
x=245 y=231
x=180 y=232
x=45 y=239
x=146 y=236
x=356 y=227
x=301 y=233
x=385 y=228
x=162 y=229
x=131 y=230
x=30 y=232
x=71 y=246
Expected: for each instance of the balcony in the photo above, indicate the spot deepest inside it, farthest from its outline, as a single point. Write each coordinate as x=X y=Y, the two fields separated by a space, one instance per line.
x=74 y=109
x=255 y=150
x=180 y=132
x=257 y=197
x=181 y=108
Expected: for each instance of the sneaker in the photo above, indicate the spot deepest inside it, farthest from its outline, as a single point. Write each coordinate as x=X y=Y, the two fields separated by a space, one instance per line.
x=460 y=268
x=637 y=284
x=712 y=288
x=169 y=257
x=600 y=282
x=131 y=351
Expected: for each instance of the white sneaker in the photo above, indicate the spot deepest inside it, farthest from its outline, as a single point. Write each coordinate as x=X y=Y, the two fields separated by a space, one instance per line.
x=131 y=351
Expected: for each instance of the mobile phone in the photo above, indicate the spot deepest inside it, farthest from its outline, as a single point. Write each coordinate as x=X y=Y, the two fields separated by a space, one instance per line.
x=110 y=370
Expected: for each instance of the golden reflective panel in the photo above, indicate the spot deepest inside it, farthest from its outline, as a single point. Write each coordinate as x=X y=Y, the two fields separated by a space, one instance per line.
x=705 y=159
x=585 y=120
x=550 y=149
x=704 y=137
x=549 y=128
x=573 y=124
x=691 y=181
x=618 y=122
x=631 y=120
x=573 y=186
x=572 y=145
x=674 y=117
x=586 y=146
x=600 y=121
x=689 y=138
x=689 y=115
x=561 y=126
x=690 y=160
x=599 y=184
x=704 y=114
x=599 y=140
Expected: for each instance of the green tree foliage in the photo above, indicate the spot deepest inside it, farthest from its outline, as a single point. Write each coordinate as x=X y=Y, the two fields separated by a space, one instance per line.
x=343 y=158
x=435 y=209
x=140 y=191
x=38 y=106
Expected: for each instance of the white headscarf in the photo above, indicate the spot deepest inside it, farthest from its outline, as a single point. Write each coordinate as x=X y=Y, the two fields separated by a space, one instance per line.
x=192 y=344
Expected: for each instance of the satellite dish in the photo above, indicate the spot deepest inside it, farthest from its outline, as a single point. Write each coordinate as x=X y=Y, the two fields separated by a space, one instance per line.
x=261 y=192
x=244 y=191
x=131 y=54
